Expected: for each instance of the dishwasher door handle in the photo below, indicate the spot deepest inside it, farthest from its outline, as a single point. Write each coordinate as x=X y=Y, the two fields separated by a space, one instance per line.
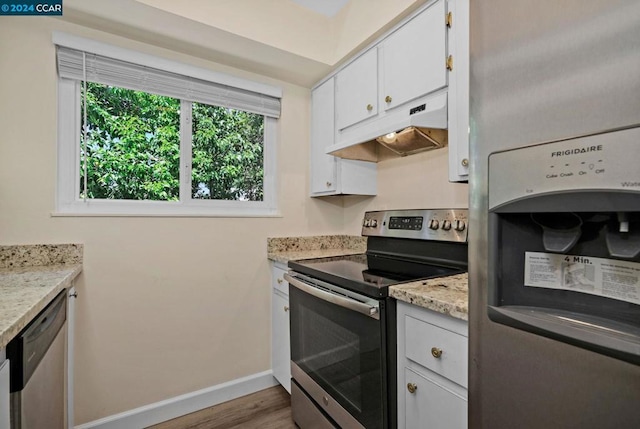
x=339 y=300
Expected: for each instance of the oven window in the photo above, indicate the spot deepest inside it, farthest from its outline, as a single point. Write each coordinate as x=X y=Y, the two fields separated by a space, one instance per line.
x=341 y=350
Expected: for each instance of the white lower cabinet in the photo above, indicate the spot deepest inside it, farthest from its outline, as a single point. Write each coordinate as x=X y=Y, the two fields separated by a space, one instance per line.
x=280 y=345
x=4 y=392
x=432 y=369
x=432 y=405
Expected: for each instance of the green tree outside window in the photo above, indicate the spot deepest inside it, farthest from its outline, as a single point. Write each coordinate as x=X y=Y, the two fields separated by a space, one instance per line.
x=133 y=148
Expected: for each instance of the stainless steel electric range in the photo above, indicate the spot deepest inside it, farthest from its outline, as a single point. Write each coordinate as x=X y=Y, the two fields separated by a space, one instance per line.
x=343 y=322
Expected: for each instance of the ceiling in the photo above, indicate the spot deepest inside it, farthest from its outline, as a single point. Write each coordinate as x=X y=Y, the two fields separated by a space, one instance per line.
x=325 y=7
x=295 y=41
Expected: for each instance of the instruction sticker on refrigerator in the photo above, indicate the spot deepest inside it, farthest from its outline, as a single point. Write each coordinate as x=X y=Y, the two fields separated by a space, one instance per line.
x=609 y=278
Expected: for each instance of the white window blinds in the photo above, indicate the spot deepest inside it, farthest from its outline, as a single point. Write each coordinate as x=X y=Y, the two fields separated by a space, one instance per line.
x=114 y=72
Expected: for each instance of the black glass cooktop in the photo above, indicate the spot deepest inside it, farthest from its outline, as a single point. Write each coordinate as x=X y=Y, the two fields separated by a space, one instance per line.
x=369 y=274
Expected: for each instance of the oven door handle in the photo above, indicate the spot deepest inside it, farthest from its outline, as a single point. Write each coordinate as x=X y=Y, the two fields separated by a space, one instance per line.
x=347 y=303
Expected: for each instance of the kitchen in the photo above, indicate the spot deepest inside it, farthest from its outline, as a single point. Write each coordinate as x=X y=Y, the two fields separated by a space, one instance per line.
x=188 y=278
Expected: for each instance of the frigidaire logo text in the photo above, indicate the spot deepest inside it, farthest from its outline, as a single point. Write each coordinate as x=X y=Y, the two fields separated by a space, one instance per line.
x=576 y=151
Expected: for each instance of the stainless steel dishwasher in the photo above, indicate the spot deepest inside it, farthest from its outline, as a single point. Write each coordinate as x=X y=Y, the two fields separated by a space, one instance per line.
x=37 y=357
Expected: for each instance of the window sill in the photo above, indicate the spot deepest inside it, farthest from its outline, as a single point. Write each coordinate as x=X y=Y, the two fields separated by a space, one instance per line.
x=104 y=208
x=270 y=214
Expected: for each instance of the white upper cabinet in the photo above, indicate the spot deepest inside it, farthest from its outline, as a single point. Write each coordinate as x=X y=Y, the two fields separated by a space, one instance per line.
x=416 y=75
x=323 y=166
x=414 y=57
x=357 y=90
x=458 y=34
x=331 y=175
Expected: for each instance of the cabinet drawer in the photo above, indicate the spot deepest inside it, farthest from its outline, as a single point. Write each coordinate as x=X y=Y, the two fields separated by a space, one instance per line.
x=432 y=405
x=423 y=340
x=278 y=281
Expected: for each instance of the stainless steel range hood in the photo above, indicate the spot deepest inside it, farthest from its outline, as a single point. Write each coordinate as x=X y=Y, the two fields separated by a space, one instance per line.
x=419 y=127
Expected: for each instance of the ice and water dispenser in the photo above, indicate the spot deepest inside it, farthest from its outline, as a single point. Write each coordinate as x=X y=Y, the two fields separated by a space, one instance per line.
x=564 y=232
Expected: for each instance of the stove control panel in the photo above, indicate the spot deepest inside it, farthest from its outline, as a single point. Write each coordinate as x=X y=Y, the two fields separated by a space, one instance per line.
x=408 y=223
x=427 y=224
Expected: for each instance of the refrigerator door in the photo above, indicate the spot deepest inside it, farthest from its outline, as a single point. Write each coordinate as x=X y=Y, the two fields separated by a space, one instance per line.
x=541 y=72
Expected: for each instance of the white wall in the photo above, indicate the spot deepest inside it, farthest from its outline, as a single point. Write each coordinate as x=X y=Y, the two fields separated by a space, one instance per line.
x=166 y=305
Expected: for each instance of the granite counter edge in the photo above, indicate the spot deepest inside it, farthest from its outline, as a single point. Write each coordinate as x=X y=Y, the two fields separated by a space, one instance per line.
x=9 y=333
x=453 y=302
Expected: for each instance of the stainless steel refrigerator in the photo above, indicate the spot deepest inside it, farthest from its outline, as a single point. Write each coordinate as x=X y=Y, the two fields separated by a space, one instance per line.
x=554 y=235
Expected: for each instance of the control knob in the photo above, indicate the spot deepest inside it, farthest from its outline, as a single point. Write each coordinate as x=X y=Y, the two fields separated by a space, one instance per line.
x=446 y=225
x=434 y=224
x=459 y=225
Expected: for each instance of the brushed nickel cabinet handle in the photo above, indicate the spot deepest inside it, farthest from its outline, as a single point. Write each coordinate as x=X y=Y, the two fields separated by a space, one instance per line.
x=286 y=308
x=329 y=184
x=388 y=99
x=279 y=281
x=369 y=107
x=412 y=387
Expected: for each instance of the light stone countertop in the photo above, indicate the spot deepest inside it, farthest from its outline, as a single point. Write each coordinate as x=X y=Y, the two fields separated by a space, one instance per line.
x=296 y=255
x=31 y=255
x=31 y=276
x=285 y=249
x=446 y=295
x=25 y=291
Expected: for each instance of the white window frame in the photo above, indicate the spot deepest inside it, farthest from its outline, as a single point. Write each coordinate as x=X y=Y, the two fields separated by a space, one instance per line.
x=68 y=200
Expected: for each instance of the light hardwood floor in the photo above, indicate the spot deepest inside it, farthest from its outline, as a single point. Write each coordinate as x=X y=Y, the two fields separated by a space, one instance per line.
x=267 y=409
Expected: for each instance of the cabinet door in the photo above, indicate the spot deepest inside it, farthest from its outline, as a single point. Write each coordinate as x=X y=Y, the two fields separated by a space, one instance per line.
x=4 y=394
x=459 y=91
x=357 y=90
x=280 y=345
x=431 y=405
x=323 y=166
x=414 y=58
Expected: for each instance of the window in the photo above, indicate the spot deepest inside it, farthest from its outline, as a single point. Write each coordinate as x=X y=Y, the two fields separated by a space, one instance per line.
x=152 y=137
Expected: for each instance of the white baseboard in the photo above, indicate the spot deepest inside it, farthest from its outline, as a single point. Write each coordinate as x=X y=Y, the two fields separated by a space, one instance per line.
x=184 y=404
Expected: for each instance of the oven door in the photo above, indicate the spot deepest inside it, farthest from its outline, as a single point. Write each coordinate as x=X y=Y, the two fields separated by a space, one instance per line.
x=337 y=351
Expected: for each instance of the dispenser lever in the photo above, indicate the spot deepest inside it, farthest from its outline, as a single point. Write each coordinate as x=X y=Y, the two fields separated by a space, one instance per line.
x=624 y=243
x=624 y=221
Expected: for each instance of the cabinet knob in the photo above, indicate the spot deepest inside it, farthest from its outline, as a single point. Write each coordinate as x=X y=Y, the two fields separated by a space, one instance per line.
x=465 y=162
x=449 y=20
x=369 y=107
x=412 y=387
x=279 y=281
x=286 y=308
x=388 y=99
x=450 y=62
x=328 y=184
x=436 y=352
